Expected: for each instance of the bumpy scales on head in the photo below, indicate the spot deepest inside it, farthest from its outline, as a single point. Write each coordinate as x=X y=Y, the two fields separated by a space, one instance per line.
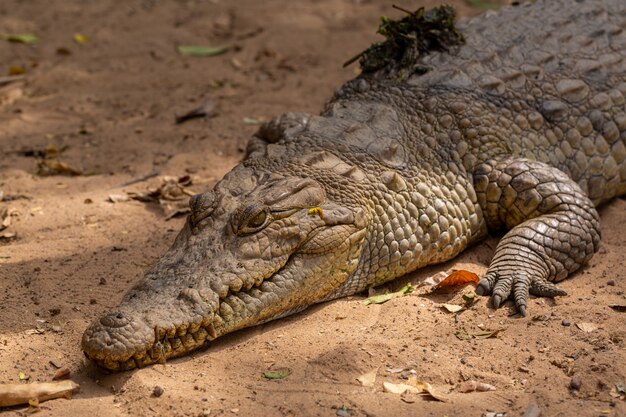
x=522 y=128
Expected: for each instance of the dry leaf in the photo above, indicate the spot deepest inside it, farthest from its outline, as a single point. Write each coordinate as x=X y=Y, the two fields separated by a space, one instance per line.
x=459 y=277
x=383 y=298
x=62 y=373
x=80 y=39
x=425 y=387
x=192 y=50
x=7 y=236
x=10 y=94
x=280 y=374
x=33 y=406
x=5 y=218
x=53 y=167
x=478 y=335
x=436 y=278
x=452 y=308
x=587 y=327
x=399 y=388
x=471 y=386
x=118 y=198
x=368 y=379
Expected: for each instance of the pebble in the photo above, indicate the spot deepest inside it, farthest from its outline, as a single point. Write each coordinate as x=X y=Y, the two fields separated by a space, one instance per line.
x=343 y=412
x=533 y=410
x=575 y=383
x=566 y=323
x=157 y=391
x=611 y=282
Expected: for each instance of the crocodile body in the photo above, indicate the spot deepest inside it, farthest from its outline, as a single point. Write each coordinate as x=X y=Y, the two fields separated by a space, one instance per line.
x=523 y=129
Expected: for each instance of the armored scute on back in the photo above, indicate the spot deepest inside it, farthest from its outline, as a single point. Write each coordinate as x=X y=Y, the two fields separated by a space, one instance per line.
x=522 y=127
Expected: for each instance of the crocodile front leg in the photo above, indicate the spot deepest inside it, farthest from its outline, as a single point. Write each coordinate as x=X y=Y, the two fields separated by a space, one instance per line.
x=554 y=228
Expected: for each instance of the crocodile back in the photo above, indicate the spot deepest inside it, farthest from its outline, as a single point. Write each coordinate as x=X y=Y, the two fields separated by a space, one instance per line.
x=545 y=81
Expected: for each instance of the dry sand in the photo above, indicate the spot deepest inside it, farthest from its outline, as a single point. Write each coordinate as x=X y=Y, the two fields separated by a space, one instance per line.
x=109 y=107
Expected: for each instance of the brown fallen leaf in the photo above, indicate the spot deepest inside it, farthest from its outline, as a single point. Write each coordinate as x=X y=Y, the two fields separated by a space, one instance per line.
x=5 y=218
x=62 y=373
x=472 y=385
x=118 y=198
x=459 y=277
x=49 y=167
x=368 y=379
x=14 y=394
x=7 y=236
x=452 y=308
x=172 y=195
x=413 y=386
x=461 y=335
x=425 y=387
x=587 y=327
x=33 y=406
x=399 y=388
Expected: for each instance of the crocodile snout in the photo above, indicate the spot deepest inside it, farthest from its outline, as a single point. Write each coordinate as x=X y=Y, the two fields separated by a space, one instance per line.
x=118 y=340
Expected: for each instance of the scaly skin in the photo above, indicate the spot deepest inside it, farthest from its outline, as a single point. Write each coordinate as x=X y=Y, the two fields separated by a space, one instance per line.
x=523 y=128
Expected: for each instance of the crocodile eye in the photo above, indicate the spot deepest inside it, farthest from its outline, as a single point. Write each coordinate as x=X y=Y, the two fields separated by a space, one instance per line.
x=258 y=220
x=255 y=222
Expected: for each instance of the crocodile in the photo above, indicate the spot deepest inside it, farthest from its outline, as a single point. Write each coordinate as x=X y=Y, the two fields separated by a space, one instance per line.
x=522 y=129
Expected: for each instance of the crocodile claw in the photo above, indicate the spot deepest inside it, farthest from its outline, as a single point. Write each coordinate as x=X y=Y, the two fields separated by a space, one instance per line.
x=517 y=287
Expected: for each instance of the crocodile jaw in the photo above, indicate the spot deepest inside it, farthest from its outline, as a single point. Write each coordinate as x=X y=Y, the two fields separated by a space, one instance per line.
x=215 y=280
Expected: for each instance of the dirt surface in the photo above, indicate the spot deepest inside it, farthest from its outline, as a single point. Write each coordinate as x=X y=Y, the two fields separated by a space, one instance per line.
x=107 y=108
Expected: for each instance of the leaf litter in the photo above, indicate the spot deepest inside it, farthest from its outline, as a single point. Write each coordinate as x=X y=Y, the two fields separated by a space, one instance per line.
x=383 y=298
x=195 y=50
x=368 y=379
x=414 y=386
x=172 y=195
x=277 y=374
x=487 y=334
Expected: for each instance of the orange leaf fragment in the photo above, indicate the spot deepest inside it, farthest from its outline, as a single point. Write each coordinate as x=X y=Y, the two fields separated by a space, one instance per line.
x=459 y=277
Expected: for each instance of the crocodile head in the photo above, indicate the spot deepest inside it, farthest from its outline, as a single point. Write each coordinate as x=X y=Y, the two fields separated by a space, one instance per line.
x=261 y=245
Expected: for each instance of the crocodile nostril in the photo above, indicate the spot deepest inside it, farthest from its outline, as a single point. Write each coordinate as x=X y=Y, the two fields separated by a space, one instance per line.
x=114 y=320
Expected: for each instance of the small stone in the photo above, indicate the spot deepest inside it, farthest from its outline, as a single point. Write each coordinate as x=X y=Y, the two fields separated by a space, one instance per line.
x=103 y=281
x=533 y=410
x=611 y=282
x=206 y=412
x=93 y=301
x=343 y=412
x=575 y=383
x=566 y=323
x=157 y=391
x=523 y=369
x=463 y=361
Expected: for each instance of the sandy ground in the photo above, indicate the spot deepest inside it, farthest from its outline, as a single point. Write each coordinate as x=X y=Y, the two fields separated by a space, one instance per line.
x=108 y=107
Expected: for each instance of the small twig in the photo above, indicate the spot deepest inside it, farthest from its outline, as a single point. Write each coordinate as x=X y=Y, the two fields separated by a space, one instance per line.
x=11 y=79
x=401 y=9
x=354 y=58
x=14 y=394
x=147 y=176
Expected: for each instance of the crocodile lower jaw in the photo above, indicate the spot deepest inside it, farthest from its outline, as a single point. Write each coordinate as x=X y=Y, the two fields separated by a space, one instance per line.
x=168 y=347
